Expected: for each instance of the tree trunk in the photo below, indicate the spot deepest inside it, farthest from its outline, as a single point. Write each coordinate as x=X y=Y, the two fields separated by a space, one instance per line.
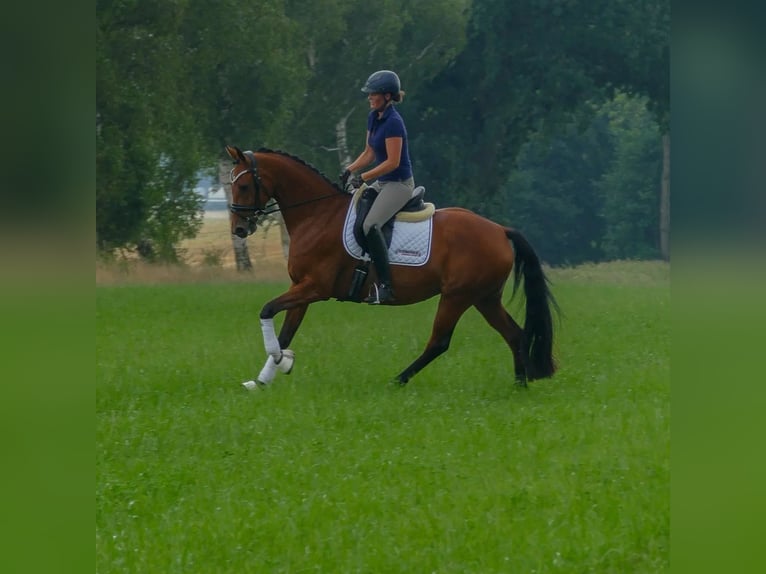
x=665 y=199
x=276 y=220
x=340 y=136
x=285 y=237
x=241 y=254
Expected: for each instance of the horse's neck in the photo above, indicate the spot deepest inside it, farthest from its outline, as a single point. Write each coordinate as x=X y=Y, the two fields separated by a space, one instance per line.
x=303 y=195
x=321 y=212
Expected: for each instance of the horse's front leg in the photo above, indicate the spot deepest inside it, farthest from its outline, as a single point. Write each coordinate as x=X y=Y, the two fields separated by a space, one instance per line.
x=285 y=360
x=295 y=301
x=293 y=319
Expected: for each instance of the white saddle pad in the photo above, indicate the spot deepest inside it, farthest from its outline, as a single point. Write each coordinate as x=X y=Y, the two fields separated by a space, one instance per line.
x=410 y=244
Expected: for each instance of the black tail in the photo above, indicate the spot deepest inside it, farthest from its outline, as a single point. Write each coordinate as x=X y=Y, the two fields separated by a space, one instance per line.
x=538 y=324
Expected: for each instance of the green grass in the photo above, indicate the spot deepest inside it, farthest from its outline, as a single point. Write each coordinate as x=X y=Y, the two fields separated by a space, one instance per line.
x=334 y=469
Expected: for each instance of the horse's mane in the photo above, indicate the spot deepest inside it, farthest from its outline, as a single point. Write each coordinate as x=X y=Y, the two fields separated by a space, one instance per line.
x=302 y=162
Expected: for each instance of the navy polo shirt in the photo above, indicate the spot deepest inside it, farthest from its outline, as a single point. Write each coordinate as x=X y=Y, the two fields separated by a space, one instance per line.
x=390 y=125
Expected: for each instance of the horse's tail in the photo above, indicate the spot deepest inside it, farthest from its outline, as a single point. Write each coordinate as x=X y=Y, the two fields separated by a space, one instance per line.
x=538 y=324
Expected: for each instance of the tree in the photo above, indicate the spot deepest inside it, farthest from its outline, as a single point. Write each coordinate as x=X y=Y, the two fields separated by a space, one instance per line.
x=551 y=194
x=530 y=65
x=175 y=82
x=248 y=91
x=593 y=194
x=178 y=80
x=630 y=188
x=343 y=42
x=144 y=173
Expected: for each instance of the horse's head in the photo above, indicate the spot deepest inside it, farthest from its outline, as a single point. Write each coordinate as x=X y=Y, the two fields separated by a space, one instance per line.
x=248 y=194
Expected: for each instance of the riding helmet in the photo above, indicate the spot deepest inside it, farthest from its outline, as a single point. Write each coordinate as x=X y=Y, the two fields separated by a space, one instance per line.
x=382 y=82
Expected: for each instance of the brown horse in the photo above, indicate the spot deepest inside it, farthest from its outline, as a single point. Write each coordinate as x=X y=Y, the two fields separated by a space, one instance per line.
x=470 y=261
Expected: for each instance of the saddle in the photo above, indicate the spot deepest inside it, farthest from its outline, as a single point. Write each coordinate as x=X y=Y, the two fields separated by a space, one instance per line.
x=414 y=210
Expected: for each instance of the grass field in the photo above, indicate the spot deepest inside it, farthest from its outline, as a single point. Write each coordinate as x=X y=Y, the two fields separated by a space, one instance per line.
x=334 y=469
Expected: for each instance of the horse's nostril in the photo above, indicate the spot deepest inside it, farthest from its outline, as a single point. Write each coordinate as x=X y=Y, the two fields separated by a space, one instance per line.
x=240 y=232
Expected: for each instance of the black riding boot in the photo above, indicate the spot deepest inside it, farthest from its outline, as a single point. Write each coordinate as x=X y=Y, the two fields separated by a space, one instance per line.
x=379 y=252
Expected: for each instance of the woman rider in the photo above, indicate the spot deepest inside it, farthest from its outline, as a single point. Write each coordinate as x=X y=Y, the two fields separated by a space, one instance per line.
x=386 y=144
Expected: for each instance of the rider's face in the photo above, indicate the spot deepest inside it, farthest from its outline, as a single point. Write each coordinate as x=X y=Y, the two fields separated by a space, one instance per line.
x=377 y=101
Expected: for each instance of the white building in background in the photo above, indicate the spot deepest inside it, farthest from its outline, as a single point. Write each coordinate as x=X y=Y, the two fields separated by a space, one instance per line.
x=213 y=194
x=215 y=199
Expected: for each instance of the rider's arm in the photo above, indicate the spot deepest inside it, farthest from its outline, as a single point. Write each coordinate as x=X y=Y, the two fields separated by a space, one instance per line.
x=394 y=153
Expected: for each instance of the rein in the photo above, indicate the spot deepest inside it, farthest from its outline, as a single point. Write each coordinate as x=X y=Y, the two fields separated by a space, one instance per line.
x=278 y=208
x=238 y=208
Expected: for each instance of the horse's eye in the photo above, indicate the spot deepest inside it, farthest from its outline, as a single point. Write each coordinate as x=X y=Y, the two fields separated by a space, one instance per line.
x=243 y=188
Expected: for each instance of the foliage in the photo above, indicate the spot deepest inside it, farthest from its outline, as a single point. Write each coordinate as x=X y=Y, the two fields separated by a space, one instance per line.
x=146 y=137
x=177 y=80
x=551 y=194
x=590 y=195
x=344 y=42
x=530 y=65
x=248 y=76
x=630 y=189
x=173 y=84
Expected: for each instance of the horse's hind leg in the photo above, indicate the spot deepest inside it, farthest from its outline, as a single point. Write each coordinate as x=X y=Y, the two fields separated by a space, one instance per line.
x=493 y=311
x=447 y=315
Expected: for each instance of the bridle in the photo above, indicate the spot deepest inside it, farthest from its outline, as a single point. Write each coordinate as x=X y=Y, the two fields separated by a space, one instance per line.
x=240 y=209
x=255 y=213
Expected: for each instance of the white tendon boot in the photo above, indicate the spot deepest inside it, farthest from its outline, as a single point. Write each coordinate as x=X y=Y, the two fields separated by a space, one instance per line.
x=279 y=359
x=270 y=369
x=267 y=374
x=287 y=361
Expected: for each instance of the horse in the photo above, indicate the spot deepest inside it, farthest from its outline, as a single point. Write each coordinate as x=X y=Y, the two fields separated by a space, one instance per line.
x=470 y=261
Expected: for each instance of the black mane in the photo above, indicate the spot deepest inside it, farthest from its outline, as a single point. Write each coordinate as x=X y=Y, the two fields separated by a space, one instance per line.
x=302 y=162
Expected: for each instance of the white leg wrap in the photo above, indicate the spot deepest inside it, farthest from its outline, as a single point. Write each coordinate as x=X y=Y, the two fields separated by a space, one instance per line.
x=271 y=368
x=270 y=340
x=285 y=365
x=268 y=372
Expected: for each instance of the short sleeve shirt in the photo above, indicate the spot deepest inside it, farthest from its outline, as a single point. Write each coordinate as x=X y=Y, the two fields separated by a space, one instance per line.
x=390 y=125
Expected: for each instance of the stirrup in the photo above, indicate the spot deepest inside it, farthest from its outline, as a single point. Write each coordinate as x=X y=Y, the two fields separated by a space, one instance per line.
x=380 y=294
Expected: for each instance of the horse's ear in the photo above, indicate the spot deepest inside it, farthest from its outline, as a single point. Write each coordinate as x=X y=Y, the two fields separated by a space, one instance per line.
x=235 y=153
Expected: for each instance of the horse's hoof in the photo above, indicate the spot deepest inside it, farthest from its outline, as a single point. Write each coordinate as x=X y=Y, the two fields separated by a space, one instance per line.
x=521 y=382
x=253 y=385
x=285 y=364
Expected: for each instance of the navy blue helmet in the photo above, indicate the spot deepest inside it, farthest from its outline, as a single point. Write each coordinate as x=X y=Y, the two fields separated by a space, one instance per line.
x=382 y=82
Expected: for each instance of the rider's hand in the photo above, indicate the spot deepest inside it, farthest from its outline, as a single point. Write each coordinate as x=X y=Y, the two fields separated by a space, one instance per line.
x=344 y=179
x=357 y=181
